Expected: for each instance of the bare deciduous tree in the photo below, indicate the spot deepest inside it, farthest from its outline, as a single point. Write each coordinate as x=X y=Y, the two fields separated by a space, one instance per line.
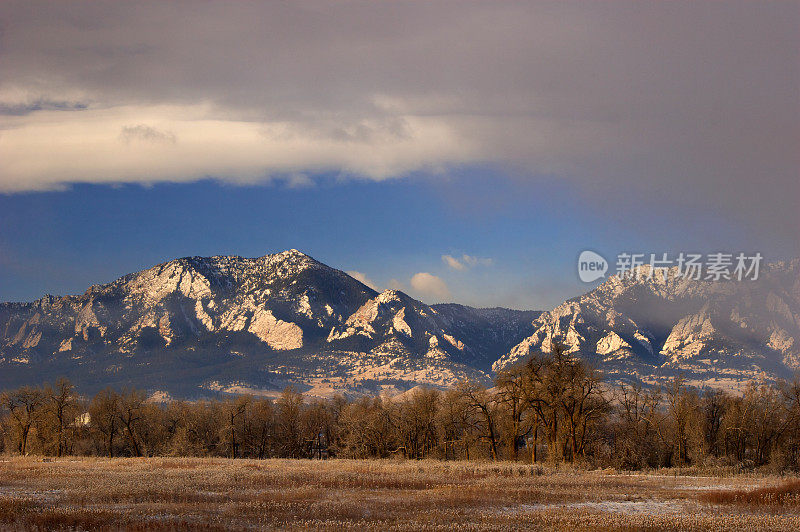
x=131 y=406
x=485 y=410
x=104 y=419
x=62 y=409
x=25 y=407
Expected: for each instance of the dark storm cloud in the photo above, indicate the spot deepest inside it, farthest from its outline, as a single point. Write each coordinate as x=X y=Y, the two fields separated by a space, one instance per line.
x=687 y=102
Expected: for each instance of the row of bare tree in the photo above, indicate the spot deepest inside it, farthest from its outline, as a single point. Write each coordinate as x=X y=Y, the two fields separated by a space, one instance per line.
x=553 y=408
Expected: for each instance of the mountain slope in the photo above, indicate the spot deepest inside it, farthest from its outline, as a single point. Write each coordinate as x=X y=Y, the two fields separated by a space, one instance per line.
x=716 y=333
x=279 y=299
x=198 y=325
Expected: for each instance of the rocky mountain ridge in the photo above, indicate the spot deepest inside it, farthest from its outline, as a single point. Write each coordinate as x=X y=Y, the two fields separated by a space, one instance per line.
x=196 y=325
x=646 y=327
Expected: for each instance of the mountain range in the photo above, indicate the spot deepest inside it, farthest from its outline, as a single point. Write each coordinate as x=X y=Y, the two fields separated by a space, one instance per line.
x=199 y=326
x=196 y=326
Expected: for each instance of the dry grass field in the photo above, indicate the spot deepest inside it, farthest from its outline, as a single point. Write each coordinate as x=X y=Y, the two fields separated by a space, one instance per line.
x=217 y=494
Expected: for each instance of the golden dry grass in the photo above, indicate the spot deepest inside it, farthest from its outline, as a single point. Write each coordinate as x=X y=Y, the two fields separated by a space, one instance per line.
x=211 y=494
x=785 y=494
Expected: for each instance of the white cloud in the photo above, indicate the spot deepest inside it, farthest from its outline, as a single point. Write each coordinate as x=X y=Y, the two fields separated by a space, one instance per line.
x=466 y=261
x=145 y=133
x=476 y=261
x=453 y=262
x=394 y=284
x=299 y=180
x=430 y=285
x=183 y=143
x=362 y=277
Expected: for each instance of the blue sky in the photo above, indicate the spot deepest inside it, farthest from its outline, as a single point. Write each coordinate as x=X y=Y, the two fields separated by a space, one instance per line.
x=380 y=137
x=61 y=242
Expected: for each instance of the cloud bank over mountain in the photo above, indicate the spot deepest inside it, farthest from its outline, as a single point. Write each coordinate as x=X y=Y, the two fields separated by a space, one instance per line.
x=694 y=103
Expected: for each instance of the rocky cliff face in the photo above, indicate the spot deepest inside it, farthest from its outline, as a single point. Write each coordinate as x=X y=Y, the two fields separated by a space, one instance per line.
x=714 y=333
x=230 y=323
x=278 y=299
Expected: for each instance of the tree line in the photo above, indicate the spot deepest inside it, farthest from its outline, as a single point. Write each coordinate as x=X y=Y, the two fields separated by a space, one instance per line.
x=552 y=408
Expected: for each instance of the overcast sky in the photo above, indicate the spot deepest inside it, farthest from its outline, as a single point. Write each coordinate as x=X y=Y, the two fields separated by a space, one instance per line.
x=662 y=115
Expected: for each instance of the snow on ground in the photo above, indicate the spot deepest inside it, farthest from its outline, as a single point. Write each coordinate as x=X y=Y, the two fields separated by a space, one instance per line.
x=645 y=506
